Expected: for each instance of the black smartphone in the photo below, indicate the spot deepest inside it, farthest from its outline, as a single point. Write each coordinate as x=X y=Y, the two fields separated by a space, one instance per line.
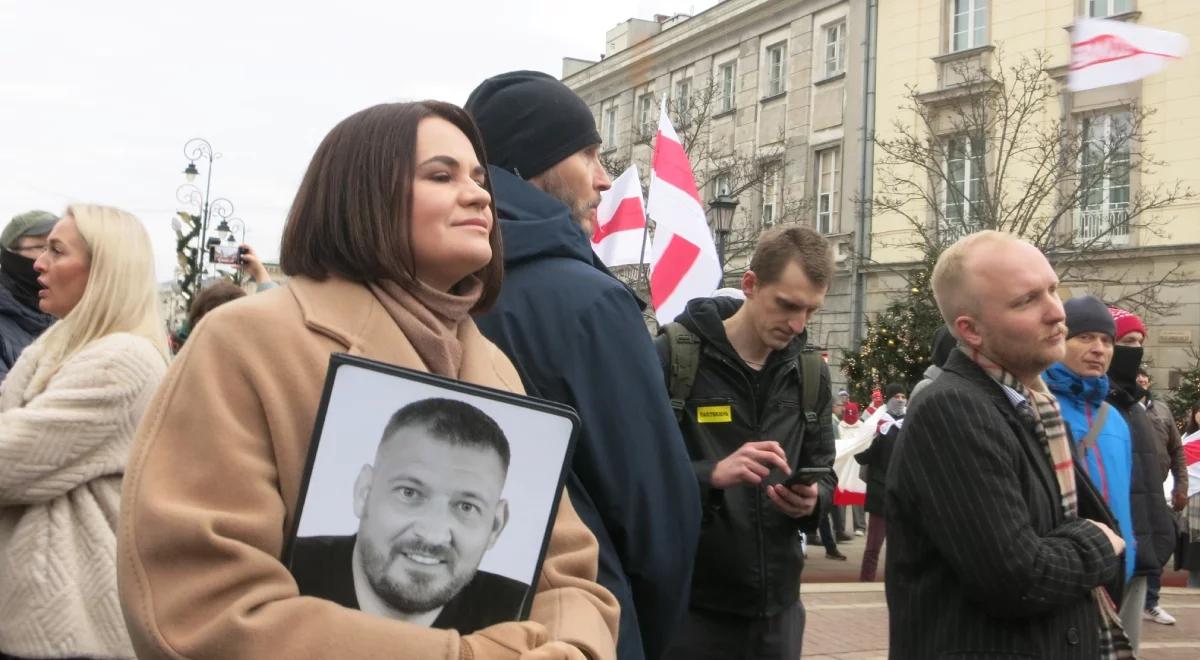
x=807 y=476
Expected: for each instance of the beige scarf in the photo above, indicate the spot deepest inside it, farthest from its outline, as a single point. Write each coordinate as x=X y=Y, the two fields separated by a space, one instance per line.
x=430 y=318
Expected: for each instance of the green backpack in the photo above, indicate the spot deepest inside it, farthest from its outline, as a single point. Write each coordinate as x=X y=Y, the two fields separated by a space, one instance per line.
x=684 y=360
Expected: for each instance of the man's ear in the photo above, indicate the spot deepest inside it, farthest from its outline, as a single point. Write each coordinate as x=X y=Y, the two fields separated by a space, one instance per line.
x=362 y=490
x=968 y=332
x=749 y=283
x=498 y=523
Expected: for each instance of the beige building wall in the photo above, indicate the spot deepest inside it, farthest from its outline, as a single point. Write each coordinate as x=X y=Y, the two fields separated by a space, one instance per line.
x=914 y=49
x=816 y=113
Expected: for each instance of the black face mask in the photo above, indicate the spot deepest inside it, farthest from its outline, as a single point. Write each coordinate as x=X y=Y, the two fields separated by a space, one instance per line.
x=20 y=277
x=1125 y=362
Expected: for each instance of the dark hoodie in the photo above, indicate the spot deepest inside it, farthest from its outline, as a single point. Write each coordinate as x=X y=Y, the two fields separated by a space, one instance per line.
x=1153 y=525
x=19 y=326
x=576 y=336
x=750 y=559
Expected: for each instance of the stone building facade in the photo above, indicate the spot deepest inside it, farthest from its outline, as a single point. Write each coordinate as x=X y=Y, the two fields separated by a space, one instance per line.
x=769 y=95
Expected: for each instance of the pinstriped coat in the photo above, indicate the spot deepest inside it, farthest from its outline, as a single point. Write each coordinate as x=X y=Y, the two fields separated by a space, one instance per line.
x=981 y=562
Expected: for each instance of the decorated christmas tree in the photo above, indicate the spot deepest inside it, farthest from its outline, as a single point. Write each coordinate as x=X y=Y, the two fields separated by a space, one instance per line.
x=1188 y=391
x=896 y=346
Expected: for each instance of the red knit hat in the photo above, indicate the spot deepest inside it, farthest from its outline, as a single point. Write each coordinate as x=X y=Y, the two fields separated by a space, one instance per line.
x=1127 y=322
x=850 y=413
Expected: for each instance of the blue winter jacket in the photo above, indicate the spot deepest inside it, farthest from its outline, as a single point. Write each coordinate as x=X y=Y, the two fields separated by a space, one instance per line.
x=576 y=336
x=1110 y=462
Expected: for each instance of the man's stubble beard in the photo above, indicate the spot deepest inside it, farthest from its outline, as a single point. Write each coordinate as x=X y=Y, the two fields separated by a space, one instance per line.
x=580 y=209
x=415 y=598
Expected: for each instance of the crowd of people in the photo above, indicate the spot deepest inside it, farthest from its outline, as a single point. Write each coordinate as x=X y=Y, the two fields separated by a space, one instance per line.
x=146 y=497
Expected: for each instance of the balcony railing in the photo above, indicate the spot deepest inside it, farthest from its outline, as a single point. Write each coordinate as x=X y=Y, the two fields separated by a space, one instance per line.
x=1106 y=224
x=951 y=230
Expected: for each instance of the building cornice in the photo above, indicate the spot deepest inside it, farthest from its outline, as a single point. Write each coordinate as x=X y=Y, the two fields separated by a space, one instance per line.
x=717 y=21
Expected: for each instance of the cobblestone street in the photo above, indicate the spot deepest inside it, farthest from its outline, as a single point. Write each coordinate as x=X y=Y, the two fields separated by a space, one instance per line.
x=847 y=620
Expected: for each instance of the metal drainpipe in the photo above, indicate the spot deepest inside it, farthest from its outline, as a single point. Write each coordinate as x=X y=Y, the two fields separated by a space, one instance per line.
x=862 y=230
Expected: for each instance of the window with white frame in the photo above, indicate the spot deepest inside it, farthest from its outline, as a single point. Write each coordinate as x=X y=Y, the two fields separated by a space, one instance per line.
x=609 y=122
x=722 y=185
x=968 y=24
x=964 y=184
x=727 y=79
x=683 y=96
x=827 y=189
x=1104 y=177
x=770 y=193
x=1102 y=8
x=645 y=116
x=1105 y=159
x=776 y=68
x=835 y=49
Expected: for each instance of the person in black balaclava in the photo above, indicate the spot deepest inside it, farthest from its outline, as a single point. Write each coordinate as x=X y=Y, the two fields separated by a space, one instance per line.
x=22 y=241
x=1152 y=524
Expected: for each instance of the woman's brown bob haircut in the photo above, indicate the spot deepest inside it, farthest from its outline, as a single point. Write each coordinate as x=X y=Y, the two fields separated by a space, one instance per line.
x=351 y=214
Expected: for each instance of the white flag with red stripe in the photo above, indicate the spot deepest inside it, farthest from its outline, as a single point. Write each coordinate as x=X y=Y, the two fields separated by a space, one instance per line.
x=683 y=261
x=852 y=490
x=1105 y=52
x=1191 y=453
x=620 y=236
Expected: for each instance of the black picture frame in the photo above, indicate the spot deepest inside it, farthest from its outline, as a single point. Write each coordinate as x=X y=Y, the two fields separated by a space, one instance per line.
x=514 y=414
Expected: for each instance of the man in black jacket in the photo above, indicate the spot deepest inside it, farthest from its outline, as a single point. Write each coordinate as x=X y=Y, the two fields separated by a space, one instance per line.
x=1153 y=527
x=429 y=507
x=21 y=321
x=745 y=429
x=576 y=336
x=997 y=541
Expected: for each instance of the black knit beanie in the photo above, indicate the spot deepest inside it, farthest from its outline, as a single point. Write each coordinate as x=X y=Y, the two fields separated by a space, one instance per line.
x=530 y=121
x=892 y=390
x=1088 y=314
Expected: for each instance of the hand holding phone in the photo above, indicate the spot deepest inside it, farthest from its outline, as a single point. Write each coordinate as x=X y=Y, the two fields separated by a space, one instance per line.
x=807 y=476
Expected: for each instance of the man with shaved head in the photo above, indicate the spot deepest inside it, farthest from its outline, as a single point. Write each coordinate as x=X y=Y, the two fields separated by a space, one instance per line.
x=1000 y=546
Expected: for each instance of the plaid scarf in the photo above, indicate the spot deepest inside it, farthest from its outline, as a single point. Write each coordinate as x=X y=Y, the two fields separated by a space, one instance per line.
x=1051 y=432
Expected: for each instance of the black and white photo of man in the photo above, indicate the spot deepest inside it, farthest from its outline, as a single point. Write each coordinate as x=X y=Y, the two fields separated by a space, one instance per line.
x=429 y=508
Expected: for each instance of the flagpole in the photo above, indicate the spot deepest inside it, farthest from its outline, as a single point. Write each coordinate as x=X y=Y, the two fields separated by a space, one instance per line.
x=646 y=230
x=642 y=255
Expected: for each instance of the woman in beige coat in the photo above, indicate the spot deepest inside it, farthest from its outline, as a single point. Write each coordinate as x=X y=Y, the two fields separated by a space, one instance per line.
x=391 y=243
x=68 y=412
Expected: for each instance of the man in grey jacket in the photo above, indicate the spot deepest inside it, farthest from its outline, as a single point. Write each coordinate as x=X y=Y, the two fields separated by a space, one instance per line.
x=21 y=242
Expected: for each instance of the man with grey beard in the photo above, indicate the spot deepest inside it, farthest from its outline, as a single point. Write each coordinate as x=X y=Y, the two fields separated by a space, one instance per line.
x=429 y=507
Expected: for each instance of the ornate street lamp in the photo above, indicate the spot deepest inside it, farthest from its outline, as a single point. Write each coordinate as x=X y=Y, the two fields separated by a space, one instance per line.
x=720 y=211
x=194 y=150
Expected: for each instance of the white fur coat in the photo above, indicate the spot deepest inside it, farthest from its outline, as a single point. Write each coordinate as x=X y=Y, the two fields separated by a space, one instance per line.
x=62 y=455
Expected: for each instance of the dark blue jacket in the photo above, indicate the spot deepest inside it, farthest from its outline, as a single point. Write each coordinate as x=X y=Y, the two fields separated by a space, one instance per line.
x=576 y=336
x=19 y=326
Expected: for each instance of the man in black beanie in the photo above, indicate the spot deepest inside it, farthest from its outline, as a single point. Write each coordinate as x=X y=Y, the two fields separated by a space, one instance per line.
x=21 y=321
x=576 y=335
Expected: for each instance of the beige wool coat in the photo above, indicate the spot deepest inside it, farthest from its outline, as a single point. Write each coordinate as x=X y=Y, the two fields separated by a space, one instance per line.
x=213 y=485
x=62 y=453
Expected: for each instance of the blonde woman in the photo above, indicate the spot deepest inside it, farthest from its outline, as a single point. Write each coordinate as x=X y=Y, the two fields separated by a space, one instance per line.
x=68 y=411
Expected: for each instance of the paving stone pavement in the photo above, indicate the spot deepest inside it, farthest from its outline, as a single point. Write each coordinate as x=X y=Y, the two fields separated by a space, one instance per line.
x=847 y=620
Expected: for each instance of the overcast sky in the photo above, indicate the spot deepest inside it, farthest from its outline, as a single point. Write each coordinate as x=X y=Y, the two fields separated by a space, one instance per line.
x=98 y=98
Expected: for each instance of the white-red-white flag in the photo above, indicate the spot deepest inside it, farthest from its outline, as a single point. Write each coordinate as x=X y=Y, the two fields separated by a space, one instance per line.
x=1191 y=454
x=620 y=236
x=683 y=261
x=1105 y=52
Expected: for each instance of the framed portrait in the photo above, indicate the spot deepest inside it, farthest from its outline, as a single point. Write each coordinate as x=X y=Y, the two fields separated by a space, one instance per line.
x=426 y=499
